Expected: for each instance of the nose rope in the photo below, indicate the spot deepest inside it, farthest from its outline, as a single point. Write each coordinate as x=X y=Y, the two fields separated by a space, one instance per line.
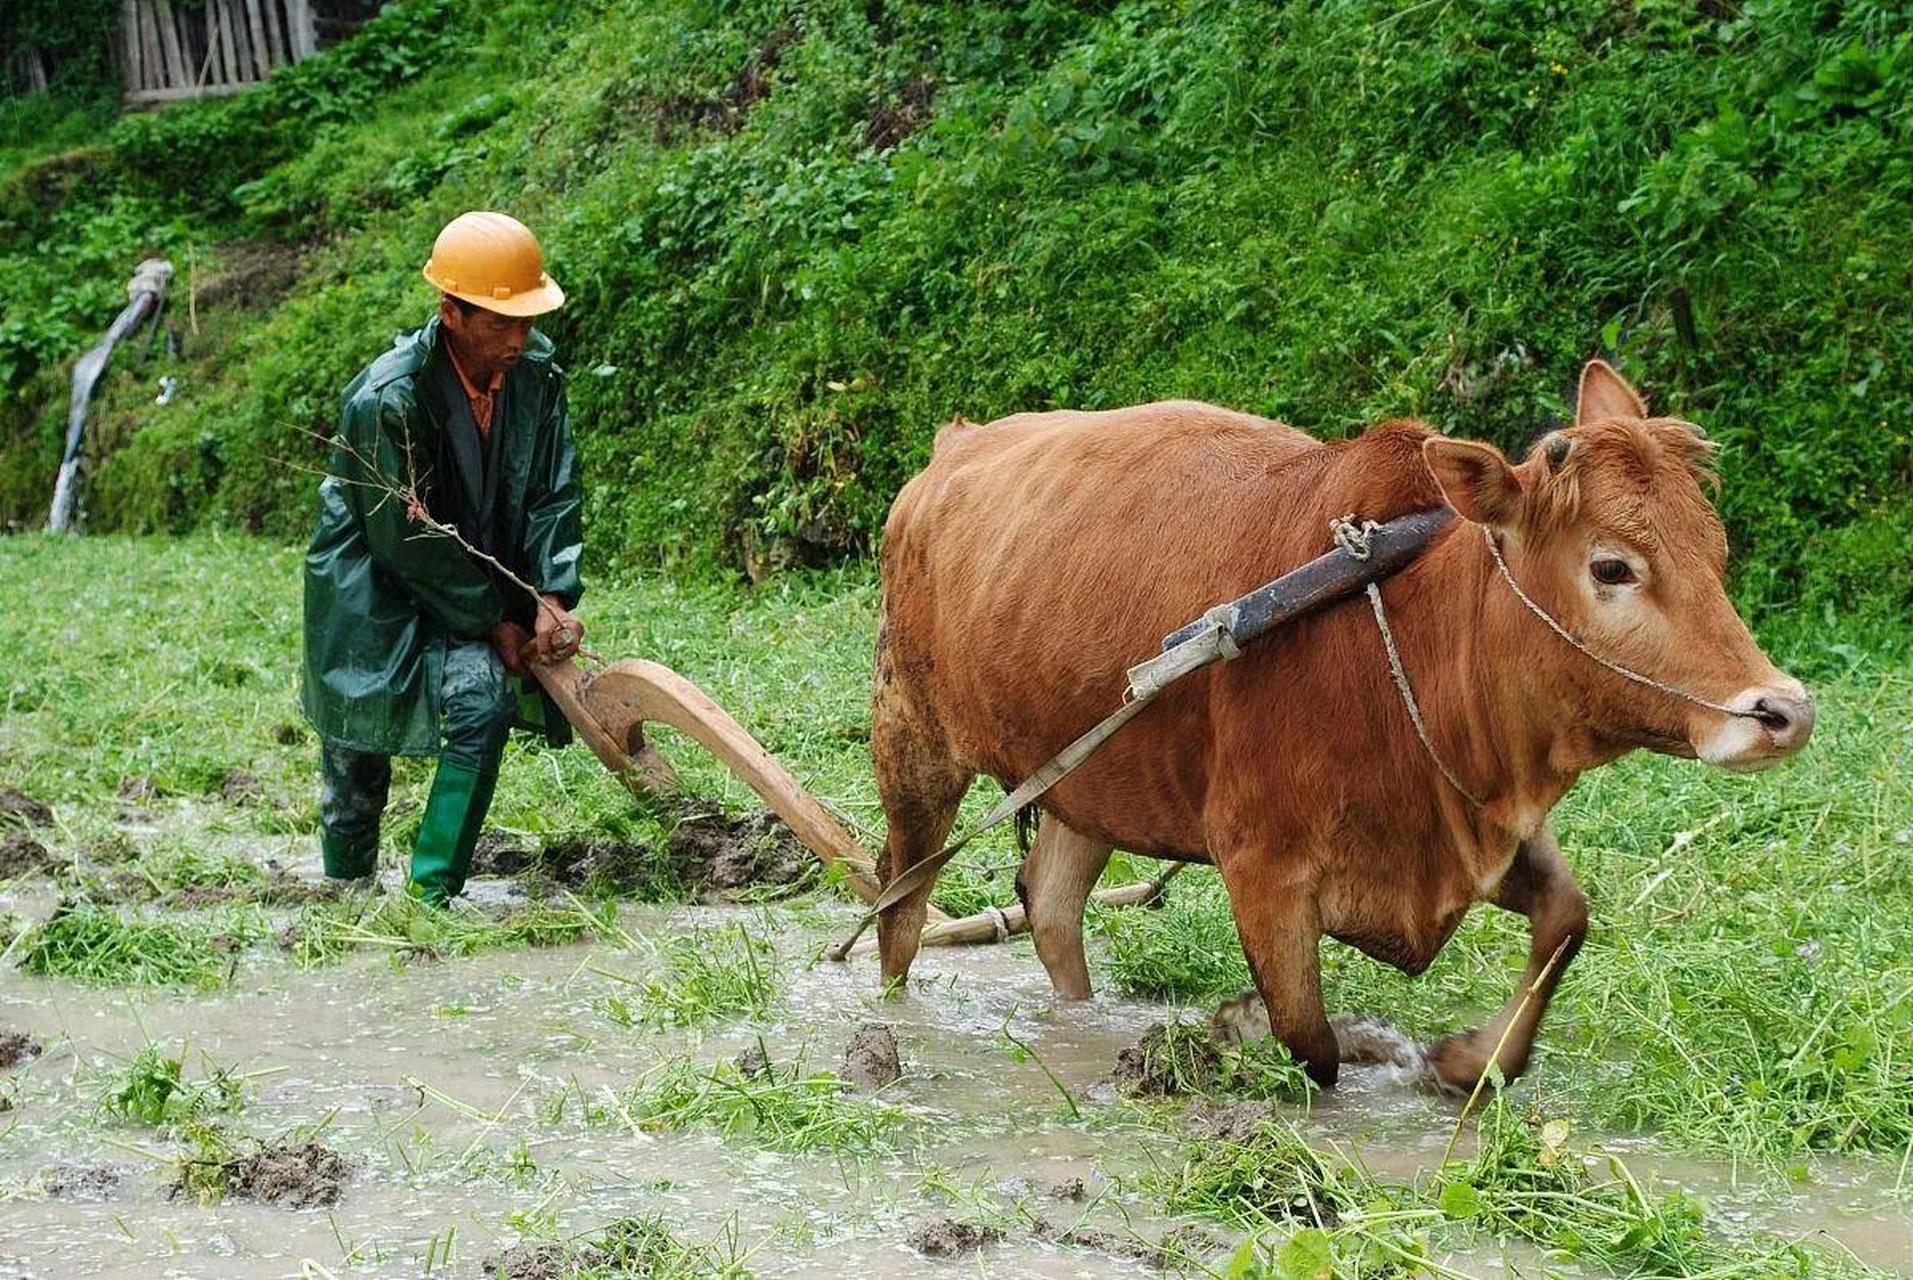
x=1619 y=670
x=1408 y=694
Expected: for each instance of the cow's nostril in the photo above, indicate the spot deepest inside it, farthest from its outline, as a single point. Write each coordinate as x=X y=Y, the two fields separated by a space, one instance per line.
x=1771 y=715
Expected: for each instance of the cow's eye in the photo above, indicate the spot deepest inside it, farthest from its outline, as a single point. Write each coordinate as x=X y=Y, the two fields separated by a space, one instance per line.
x=1611 y=573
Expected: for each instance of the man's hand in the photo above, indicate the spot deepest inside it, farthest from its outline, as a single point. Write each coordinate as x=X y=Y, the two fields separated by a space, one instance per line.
x=558 y=632
x=509 y=640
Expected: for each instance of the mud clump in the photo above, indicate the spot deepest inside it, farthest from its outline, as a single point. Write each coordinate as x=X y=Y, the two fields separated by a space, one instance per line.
x=18 y=806
x=240 y=787
x=870 y=1059
x=716 y=854
x=302 y=1175
x=83 y=1183
x=1169 y=1059
x=21 y=854
x=754 y=1063
x=708 y=853
x=952 y=1238
x=531 y=1262
x=17 y=1047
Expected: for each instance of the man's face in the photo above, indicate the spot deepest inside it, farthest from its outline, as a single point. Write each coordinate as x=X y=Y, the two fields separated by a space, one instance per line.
x=484 y=341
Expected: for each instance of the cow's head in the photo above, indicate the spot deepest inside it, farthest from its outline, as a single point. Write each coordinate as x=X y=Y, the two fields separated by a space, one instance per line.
x=1608 y=527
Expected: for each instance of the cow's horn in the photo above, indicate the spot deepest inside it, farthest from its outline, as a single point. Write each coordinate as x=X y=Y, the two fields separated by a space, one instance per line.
x=1557 y=447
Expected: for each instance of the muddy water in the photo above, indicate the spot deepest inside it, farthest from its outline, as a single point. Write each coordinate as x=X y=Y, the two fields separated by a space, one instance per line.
x=437 y=1080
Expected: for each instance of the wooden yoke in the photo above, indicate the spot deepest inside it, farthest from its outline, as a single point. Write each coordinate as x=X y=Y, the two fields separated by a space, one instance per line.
x=609 y=709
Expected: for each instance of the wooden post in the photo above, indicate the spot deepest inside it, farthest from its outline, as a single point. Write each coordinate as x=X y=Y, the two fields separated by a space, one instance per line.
x=275 y=29
x=305 y=41
x=129 y=45
x=228 y=53
x=176 y=72
x=149 y=47
x=261 y=51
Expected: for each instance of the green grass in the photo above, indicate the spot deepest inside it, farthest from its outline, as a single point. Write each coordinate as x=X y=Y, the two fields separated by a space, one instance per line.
x=785 y=1107
x=101 y=947
x=404 y=927
x=706 y=975
x=151 y=1088
x=1315 y=1213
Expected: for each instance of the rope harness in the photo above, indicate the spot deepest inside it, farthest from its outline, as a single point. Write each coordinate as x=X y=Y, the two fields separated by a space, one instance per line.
x=1364 y=553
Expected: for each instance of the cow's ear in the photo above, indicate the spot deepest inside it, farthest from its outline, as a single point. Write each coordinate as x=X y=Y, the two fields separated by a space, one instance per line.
x=1605 y=394
x=1475 y=479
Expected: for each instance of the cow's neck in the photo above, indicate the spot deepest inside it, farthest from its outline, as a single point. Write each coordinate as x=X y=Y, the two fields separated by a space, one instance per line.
x=1480 y=668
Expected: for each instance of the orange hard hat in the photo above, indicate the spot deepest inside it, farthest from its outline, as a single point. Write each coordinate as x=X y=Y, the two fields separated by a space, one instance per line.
x=492 y=260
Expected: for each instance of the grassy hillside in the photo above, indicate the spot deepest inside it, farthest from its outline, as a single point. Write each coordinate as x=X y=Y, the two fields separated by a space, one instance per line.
x=800 y=236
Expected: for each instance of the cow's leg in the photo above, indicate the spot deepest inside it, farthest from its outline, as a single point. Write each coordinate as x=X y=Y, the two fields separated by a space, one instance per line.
x=1281 y=935
x=1054 y=884
x=921 y=787
x=1540 y=886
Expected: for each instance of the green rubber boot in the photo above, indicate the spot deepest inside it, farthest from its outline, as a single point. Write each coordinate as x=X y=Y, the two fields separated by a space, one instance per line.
x=443 y=855
x=475 y=816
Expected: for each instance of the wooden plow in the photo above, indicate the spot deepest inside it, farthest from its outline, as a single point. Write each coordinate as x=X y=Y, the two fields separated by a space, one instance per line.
x=609 y=709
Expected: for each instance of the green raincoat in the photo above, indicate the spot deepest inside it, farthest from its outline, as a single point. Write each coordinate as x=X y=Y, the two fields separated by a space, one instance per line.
x=383 y=592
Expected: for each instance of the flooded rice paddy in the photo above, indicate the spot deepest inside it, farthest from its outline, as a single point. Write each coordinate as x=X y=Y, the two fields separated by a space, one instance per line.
x=475 y=1102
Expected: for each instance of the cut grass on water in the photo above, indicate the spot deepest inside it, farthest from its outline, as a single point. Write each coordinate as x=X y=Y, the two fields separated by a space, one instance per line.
x=707 y=975
x=640 y=1246
x=101 y=947
x=782 y=1107
x=152 y=1089
x=407 y=929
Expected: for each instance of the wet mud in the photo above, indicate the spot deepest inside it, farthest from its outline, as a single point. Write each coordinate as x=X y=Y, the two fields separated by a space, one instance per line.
x=710 y=855
x=17 y=1047
x=22 y=855
x=952 y=1237
x=871 y=1061
x=298 y=1175
x=17 y=806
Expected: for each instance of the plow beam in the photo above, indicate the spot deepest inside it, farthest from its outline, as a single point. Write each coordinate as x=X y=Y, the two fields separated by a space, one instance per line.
x=609 y=709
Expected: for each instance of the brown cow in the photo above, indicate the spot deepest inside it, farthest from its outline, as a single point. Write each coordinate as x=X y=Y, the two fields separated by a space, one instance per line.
x=1039 y=556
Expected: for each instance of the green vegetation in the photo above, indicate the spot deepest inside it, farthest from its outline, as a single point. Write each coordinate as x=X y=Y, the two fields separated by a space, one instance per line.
x=1316 y=1214
x=708 y=974
x=780 y=1106
x=642 y=1246
x=799 y=237
x=152 y=1089
x=405 y=927
x=99 y=946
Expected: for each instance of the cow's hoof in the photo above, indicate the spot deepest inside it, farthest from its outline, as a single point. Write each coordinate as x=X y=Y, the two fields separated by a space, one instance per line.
x=1453 y=1064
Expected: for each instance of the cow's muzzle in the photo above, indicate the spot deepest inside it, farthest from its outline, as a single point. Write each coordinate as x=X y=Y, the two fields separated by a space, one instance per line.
x=1774 y=722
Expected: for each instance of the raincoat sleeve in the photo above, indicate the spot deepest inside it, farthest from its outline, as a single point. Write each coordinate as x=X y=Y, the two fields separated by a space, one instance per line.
x=554 y=526
x=447 y=583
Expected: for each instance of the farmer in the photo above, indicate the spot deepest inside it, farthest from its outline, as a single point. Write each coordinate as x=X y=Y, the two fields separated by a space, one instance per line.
x=446 y=557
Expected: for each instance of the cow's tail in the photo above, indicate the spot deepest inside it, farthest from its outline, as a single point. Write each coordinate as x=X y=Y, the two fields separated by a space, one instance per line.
x=1026 y=820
